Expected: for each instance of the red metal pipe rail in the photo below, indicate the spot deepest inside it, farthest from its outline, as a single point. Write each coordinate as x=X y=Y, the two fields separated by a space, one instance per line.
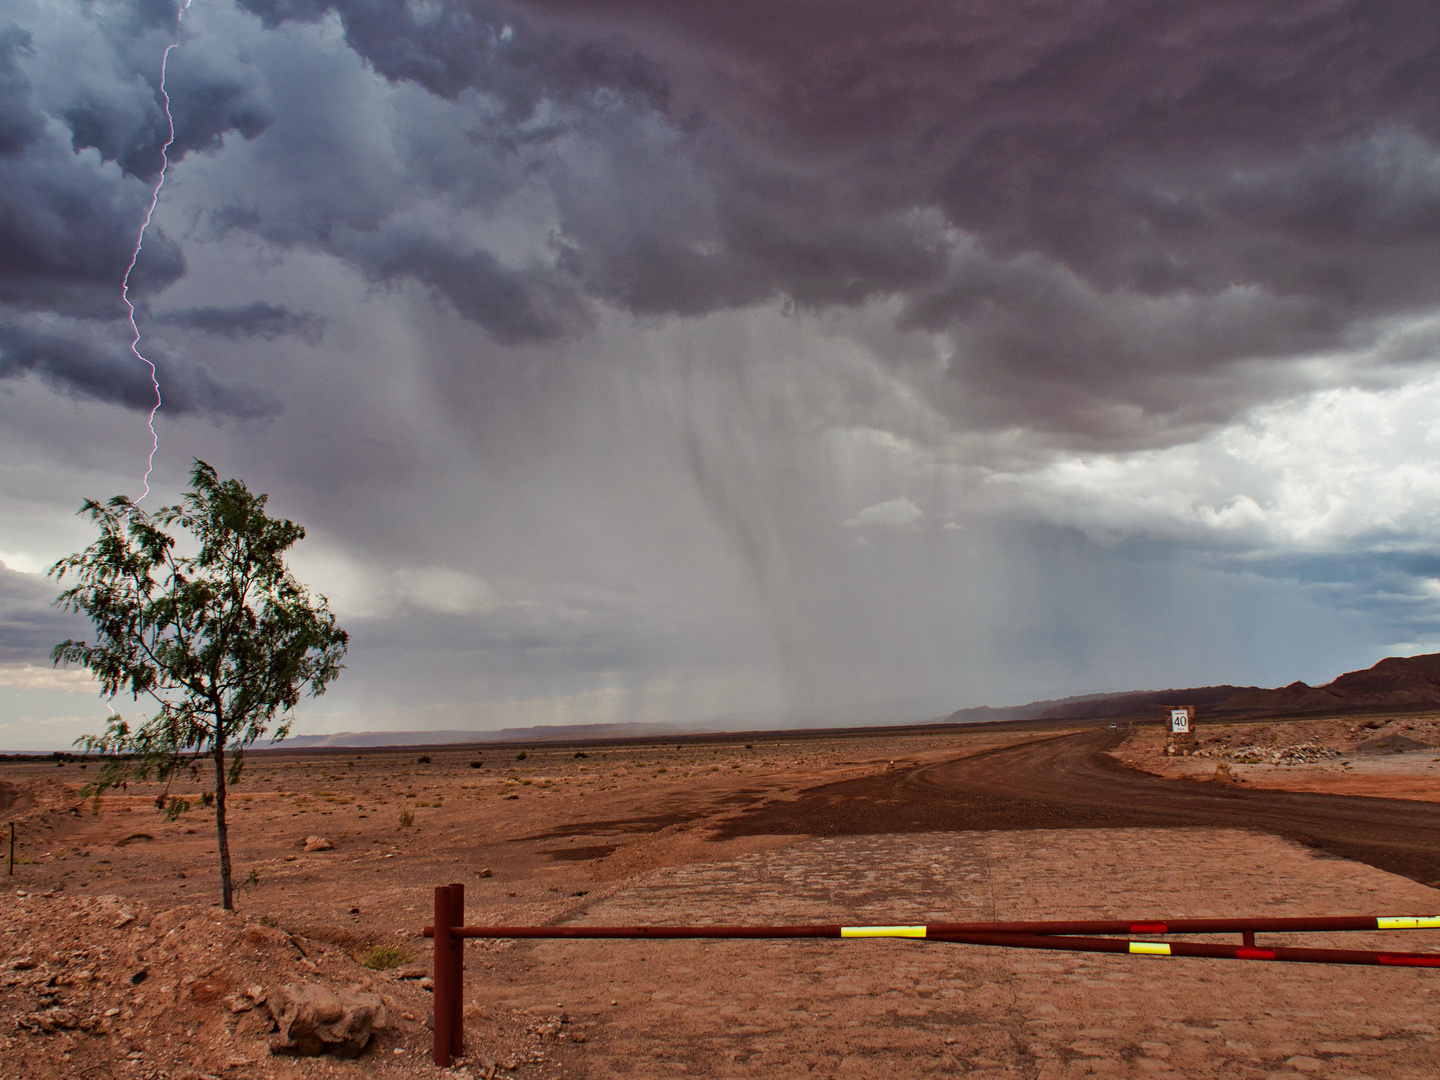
x=450 y=933
x=1282 y=953
x=449 y=975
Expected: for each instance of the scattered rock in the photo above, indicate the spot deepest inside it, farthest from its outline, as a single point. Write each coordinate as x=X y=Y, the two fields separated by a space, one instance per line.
x=1298 y=754
x=483 y=873
x=313 y=1018
x=318 y=843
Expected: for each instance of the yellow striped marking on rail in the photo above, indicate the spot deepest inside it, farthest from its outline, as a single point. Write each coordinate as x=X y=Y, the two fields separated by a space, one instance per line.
x=1150 y=948
x=882 y=931
x=1424 y=923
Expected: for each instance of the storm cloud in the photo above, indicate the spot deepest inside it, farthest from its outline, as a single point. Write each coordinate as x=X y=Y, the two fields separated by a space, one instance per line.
x=84 y=360
x=1105 y=208
x=880 y=334
x=262 y=320
x=1097 y=206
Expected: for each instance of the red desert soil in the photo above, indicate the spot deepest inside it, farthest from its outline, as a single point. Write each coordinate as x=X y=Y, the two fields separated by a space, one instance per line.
x=856 y=829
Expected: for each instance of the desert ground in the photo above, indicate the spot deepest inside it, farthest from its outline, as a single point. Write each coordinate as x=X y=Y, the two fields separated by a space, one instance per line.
x=1309 y=755
x=117 y=961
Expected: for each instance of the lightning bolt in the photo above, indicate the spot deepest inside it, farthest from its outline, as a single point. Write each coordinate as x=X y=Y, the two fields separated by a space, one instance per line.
x=135 y=257
x=140 y=242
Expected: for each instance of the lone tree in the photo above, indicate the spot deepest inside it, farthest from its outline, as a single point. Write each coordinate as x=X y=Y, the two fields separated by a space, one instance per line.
x=225 y=640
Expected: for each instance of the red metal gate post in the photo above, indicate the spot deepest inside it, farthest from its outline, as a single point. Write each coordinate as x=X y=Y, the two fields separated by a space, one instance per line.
x=444 y=1012
x=457 y=971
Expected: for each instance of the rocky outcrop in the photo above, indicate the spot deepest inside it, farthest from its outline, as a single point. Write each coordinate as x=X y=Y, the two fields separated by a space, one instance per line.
x=314 y=1019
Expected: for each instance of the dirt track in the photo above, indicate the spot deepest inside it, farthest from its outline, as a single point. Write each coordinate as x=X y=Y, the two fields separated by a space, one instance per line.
x=1070 y=782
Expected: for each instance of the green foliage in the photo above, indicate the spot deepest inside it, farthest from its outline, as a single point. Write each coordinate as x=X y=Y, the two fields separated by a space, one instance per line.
x=224 y=641
x=384 y=957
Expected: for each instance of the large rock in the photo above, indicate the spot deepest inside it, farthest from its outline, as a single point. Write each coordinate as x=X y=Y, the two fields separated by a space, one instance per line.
x=314 y=1018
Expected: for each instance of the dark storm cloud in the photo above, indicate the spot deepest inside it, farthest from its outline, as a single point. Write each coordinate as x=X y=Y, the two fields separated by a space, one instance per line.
x=1107 y=208
x=80 y=359
x=20 y=124
x=68 y=224
x=1116 y=138
x=660 y=213
x=65 y=233
x=262 y=320
x=1151 y=192
x=477 y=46
x=30 y=626
x=209 y=97
x=1154 y=190
x=515 y=306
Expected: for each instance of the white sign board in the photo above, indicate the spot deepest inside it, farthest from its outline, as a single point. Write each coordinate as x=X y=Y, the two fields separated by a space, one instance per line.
x=1180 y=720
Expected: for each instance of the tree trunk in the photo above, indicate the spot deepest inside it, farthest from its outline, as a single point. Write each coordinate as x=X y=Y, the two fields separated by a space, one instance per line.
x=222 y=832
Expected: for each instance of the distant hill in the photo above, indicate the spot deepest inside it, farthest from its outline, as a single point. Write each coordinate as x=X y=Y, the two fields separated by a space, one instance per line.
x=1395 y=684
x=545 y=734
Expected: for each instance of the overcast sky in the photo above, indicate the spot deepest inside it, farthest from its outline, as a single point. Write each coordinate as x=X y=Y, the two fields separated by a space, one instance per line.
x=750 y=362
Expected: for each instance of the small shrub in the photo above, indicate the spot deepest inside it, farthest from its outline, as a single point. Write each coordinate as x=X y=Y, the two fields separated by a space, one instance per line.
x=521 y=756
x=206 y=798
x=384 y=957
x=581 y=753
x=477 y=764
x=407 y=818
x=423 y=759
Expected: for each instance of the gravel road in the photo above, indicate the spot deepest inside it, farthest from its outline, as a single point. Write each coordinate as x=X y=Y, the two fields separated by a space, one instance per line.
x=1069 y=781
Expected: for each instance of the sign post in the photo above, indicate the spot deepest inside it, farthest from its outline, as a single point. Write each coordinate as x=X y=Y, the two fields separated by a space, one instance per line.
x=1180 y=729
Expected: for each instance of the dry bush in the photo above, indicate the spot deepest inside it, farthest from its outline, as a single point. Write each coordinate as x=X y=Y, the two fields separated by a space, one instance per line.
x=384 y=957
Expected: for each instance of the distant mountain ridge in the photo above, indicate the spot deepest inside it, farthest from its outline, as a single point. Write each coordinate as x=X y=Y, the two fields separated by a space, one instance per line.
x=1398 y=683
x=546 y=733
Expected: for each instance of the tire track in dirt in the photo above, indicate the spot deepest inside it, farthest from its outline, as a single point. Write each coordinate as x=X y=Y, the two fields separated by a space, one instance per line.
x=1068 y=781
